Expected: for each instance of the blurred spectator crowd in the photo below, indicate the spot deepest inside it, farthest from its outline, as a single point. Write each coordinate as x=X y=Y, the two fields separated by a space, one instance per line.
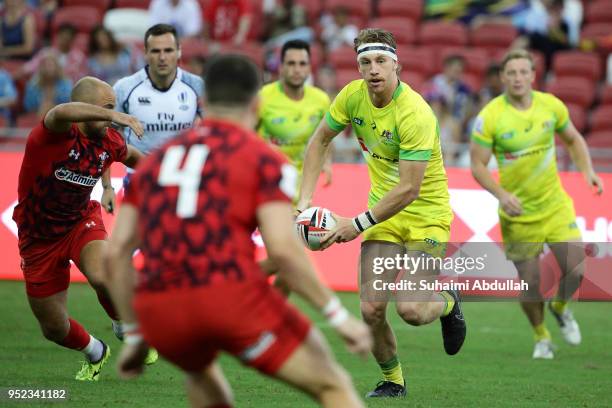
x=449 y=50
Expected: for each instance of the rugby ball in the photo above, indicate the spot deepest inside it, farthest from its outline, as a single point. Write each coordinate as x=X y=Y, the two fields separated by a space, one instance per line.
x=312 y=225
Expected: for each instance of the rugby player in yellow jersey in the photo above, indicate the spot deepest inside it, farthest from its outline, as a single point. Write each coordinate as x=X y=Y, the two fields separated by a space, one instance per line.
x=290 y=110
x=408 y=208
x=519 y=128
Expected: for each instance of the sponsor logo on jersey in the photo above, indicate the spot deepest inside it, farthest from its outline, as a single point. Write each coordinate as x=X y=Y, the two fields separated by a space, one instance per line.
x=182 y=97
x=278 y=121
x=547 y=125
x=167 y=126
x=358 y=121
x=387 y=137
x=74 y=154
x=314 y=118
x=75 y=178
x=144 y=100
x=507 y=135
x=102 y=158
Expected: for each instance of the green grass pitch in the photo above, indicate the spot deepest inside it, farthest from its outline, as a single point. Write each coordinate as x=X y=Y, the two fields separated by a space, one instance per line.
x=493 y=369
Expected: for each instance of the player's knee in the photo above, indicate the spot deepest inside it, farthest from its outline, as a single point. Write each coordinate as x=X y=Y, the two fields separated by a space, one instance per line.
x=373 y=313
x=411 y=313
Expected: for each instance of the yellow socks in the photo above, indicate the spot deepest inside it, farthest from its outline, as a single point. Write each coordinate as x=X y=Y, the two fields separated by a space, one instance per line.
x=450 y=303
x=558 y=306
x=392 y=371
x=540 y=332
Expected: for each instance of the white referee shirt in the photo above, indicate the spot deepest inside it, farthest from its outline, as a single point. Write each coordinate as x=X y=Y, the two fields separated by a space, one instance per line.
x=164 y=113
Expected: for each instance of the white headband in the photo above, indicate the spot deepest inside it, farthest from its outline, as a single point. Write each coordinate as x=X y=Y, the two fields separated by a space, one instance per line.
x=376 y=48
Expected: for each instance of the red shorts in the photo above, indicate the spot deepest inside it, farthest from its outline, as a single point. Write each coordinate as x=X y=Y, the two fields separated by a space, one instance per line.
x=252 y=321
x=46 y=263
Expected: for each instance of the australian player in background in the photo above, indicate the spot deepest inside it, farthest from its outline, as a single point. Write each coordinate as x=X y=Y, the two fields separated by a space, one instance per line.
x=519 y=128
x=191 y=208
x=408 y=208
x=291 y=110
x=164 y=97
x=65 y=156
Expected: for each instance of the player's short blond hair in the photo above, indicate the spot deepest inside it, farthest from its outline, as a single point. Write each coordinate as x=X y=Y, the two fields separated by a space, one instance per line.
x=517 y=54
x=374 y=35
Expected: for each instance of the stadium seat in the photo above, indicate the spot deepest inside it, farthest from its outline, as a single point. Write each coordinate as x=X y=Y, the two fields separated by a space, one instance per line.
x=578 y=116
x=596 y=32
x=493 y=36
x=84 y=18
x=577 y=63
x=140 y=4
x=312 y=8
x=346 y=75
x=476 y=59
x=403 y=29
x=440 y=33
x=473 y=81
x=358 y=8
x=606 y=95
x=416 y=80
x=127 y=24
x=417 y=59
x=601 y=119
x=3 y=123
x=577 y=90
x=343 y=57
x=251 y=49
x=27 y=120
x=317 y=56
x=598 y=11
x=101 y=5
x=193 y=47
x=600 y=139
x=412 y=9
x=12 y=66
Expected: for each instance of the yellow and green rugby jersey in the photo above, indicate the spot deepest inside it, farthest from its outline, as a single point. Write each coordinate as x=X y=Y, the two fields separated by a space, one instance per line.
x=405 y=129
x=288 y=123
x=524 y=145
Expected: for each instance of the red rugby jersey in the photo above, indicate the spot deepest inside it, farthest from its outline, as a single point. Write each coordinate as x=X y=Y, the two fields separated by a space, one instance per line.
x=57 y=174
x=197 y=199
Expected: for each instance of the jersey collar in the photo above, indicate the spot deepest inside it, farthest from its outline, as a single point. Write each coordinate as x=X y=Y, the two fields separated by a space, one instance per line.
x=178 y=73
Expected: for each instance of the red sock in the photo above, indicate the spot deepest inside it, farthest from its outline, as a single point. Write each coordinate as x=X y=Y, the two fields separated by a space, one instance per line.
x=77 y=337
x=107 y=304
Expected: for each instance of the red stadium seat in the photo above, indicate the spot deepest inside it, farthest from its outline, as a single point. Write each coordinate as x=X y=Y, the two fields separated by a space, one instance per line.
x=358 y=8
x=606 y=95
x=473 y=81
x=12 y=66
x=3 y=123
x=596 y=31
x=493 y=35
x=28 y=120
x=412 y=9
x=342 y=58
x=403 y=29
x=577 y=90
x=578 y=116
x=312 y=8
x=417 y=59
x=601 y=119
x=344 y=76
x=317 y=56
x=139 y=4
x=253 y=50
x=416 y=80
x=193 y=47
x=598 y=11
x=577 y=63
x=84 y=18
x=101 y=5
x=476 y=59
x=442 y=33
x=600 y=139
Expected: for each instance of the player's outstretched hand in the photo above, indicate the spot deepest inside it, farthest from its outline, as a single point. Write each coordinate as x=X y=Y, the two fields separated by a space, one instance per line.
x=356 y=335
x=124 y=119
x=131 y=361
x=511 y=204
x=595 y=182
x=344 y=231
x=108 y=200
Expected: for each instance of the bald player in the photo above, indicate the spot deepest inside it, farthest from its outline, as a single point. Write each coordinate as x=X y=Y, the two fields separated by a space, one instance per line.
x=65 y=156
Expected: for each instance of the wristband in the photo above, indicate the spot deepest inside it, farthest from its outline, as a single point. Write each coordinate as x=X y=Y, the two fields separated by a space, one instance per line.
x=107 y=187
x=364 y=221
x=335 y=313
